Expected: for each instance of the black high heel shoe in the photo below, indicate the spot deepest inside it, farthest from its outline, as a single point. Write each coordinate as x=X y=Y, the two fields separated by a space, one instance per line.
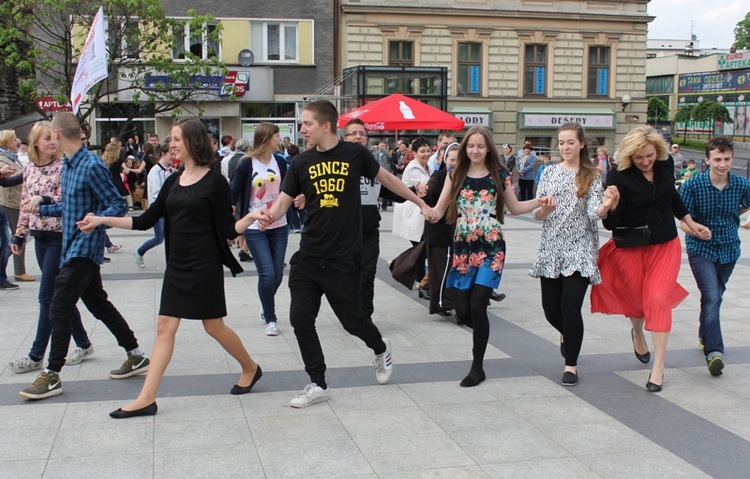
x=149 y=410
x=644 y=358
x=653 y=387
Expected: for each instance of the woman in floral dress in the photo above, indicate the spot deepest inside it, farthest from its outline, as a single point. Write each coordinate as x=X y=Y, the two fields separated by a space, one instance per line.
x=474 y=195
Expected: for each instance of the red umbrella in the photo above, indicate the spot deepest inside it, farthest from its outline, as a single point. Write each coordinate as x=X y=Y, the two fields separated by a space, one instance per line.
x=400 y=112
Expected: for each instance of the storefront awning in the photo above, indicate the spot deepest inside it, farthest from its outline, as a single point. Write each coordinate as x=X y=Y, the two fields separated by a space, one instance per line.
x=547 y=118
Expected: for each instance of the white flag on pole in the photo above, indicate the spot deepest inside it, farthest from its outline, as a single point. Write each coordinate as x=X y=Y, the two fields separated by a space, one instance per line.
x=92 y=66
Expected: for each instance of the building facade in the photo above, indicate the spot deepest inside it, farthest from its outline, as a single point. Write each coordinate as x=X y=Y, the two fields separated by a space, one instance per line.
x=519 y=67
x=682 y=80
x=277 y=53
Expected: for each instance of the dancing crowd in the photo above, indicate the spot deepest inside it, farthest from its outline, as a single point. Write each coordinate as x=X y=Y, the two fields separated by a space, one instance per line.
x=450 y=203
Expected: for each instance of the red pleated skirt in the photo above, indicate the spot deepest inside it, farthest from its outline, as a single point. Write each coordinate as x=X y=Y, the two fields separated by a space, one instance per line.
x=640 y=282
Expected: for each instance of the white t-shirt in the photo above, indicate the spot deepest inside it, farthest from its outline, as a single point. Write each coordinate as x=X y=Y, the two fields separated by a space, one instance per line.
x=265 y=189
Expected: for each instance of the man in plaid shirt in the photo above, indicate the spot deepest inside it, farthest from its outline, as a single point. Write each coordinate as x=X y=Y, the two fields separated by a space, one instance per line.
x=86 y=188
x=715 y=198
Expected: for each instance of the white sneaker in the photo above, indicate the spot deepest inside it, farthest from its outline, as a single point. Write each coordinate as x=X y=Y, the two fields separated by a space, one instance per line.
x=139 y=260
x=272 y=329
x=79 y=354
x=24 y=365
x=312 y=394
x=114 y=248
x=384 y=364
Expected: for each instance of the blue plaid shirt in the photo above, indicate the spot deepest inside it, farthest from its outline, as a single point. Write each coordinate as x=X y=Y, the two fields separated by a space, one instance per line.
x=720 y=211
x=86 y=188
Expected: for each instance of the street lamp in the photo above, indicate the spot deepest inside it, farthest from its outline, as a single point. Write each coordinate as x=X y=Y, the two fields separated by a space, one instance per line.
x=625 y=101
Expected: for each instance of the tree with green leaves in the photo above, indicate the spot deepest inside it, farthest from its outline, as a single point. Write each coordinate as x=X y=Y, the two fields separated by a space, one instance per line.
x=41 y=41
x=712 y=111
x=657 y=110
x=684 y=115
x=742 y=33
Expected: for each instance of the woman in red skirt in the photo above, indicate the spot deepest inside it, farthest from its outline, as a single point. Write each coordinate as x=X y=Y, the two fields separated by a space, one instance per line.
x=639 y=266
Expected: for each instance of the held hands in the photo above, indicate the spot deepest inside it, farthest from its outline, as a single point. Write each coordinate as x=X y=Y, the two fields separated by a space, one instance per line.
x=31 y=205
x=611 y=198
x=421 y=189
x=15 y=249
x=263 y=217
x=700 y=231
x=547 y=203
x=431 y=214
x=299 y=202
x=89 y=223
x=745 y=225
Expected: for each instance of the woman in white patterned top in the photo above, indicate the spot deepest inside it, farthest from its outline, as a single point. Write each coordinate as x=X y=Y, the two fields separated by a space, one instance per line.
x=569 y=245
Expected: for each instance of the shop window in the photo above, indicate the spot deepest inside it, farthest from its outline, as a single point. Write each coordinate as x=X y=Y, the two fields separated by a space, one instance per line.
x=469 y=68
x=598 y=74
x=401 y=54
x=276 y=41
x=535 y=70
x=200 y=42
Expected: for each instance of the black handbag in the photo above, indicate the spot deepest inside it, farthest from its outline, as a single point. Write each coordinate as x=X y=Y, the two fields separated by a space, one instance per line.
x=625 y=237
x=632 y=236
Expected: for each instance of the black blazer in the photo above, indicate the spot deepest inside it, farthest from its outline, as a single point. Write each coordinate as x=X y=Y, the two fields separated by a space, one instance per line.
x=440 y=233
x=636 y=194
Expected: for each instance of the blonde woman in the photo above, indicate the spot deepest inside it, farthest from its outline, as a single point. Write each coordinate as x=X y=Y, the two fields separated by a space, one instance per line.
x=639 y=266
x=41 y=176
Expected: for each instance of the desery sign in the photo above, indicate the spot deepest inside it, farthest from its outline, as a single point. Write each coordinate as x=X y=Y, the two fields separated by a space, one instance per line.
x=734 y=61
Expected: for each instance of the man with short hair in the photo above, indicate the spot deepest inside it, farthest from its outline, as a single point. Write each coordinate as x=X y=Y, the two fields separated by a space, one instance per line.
x=329 y=258
x=285 y=144
x=716 y=199
x=87 y=188
x=445 y=138
x=154 y=140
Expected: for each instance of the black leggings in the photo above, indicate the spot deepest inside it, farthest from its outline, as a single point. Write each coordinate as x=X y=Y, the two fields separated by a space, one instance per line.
x=471 y=309
x=562 y=300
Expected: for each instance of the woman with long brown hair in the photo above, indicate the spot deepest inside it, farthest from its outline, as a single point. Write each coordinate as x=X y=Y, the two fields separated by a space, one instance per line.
x=257 y=185
x=569 y=244
x=475 y=195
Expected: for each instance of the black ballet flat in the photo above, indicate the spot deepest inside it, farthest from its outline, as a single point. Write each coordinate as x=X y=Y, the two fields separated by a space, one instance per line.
x=653 y=387
x=473 y=379
x=424 y=293
x=149 y=410
x=445 y=312
x=569 y=378
x=237 y=390
x=644 y=358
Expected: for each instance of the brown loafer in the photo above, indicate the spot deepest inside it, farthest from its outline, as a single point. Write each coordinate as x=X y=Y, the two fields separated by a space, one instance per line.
x=24 y=277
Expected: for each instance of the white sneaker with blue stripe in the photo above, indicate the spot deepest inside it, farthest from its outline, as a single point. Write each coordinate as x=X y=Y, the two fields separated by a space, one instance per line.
x=384 y=364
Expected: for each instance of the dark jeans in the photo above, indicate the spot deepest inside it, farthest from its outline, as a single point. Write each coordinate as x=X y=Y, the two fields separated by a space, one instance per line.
x=370 y=256
x=48 y=251
x=526 y=190
x=711 y=279
x=155 y=241
x=339 y=280
x=268 y=249
x=296 y=218
x=4 y=245
x=562 y=300
x=80 y=278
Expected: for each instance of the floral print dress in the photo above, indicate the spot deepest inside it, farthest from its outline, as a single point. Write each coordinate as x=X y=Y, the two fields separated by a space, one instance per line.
x=478 y=243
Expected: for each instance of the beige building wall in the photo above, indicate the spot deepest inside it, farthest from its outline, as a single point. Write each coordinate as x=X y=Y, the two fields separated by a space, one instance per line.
x=504 y=28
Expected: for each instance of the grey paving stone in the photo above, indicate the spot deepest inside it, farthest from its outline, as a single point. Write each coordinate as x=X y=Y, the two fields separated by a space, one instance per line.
x=466 y=472
x=181 y=436
x=518 y=441
x=387 y=422
x=413 y=452
x=23 y=469
x=569 y=468
x=135 y=466
x=106 y=441
x=323 y=426
x=370 y=397
x=313 y=458
x=644 y=464
x=446 y=392
x=220 y=462
x=30 y=444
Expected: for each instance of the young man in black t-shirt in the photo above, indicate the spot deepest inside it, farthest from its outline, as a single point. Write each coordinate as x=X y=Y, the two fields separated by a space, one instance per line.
x=328 y=261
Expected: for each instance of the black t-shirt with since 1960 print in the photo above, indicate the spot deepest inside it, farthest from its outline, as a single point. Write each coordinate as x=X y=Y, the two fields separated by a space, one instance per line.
x=330 y=182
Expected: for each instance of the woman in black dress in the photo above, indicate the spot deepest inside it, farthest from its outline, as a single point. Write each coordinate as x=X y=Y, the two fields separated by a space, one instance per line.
x=195 y=204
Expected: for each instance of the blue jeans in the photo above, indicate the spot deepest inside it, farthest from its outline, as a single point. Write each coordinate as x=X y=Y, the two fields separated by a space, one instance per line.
x=156 y=240
x=48 y=251
x=712 y=281
x=296 y=218
x=268 y=249
x=4 y=245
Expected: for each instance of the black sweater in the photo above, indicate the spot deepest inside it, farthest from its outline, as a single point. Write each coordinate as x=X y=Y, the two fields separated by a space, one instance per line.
x=635 y=206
